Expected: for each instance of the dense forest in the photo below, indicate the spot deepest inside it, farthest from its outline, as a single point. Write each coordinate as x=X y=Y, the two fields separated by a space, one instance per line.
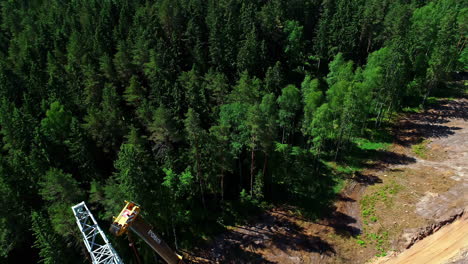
x=197 y=110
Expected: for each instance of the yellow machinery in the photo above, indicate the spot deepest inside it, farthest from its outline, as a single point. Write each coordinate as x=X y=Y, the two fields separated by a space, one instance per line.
x=130 y=218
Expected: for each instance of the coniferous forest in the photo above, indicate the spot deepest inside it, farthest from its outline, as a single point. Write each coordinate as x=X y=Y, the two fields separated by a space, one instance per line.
x=203 y=112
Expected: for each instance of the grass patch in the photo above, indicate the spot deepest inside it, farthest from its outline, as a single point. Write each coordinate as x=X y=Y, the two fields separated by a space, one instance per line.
x=366 y=144
x=380 y=241
x=362 y=150
x=416 y=109
x=421 y=149
x=432 y=101
x=340 y=183
x=347 y=169
x=383 y=194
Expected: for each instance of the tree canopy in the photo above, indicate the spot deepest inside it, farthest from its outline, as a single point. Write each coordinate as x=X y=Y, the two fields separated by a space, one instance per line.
x=195 y=109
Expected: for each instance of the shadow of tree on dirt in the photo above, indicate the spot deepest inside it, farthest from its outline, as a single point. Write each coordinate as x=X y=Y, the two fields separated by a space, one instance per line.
x=411 y=133
x=270 y=230
x=428 y=124
x=374 y=159
x=342 y=224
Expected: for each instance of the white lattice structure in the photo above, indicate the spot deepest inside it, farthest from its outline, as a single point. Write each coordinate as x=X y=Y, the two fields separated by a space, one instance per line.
x=96 y=242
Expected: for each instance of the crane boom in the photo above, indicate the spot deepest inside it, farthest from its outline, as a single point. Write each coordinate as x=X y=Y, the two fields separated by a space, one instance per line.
x=99 y=248
x=146 y=233
x=130 y=218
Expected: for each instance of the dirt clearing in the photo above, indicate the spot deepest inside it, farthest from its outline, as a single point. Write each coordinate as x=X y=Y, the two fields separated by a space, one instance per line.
x=421 y=179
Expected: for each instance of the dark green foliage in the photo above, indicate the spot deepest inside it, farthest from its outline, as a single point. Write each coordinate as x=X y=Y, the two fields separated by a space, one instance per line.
x=162 y=130
x=8 y=227
x=274 y=78
x=312 y=99
x=237 y=99
x=294 y=48
x=134 y=92
x=46 y=240
x=105 y=122
x=56 y=124
x=60 y=191
x=289 y=105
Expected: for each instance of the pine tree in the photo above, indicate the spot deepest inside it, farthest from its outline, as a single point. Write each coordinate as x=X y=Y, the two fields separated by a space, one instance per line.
x=46 y=240
x=122 y=61
x=105 y=123
x=133 y=173
x=56 y=124
x=250 y=54
x=134 y=92
x=162 y=128
x=274 y=79
x=60 y=190
x=294 y=48
x=194 y=90
x=217 y=88
x=196 y=137
x=247 y=90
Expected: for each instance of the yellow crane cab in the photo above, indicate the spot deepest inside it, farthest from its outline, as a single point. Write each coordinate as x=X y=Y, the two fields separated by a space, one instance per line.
x=128 y=214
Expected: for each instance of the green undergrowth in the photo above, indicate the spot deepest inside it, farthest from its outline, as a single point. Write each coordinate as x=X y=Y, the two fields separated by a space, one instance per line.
x=362 y=151
x=383 y=194
x=378 y=240
x=421 y=149
x=366 y=144
x=452 y=90
x=415 y=109
x=340 y=183
x=381 y=197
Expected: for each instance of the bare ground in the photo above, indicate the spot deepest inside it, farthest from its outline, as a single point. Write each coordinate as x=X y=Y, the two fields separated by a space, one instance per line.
x=407 y=192
x=448 y=245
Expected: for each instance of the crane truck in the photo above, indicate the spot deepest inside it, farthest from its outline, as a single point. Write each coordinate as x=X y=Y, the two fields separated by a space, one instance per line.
x=99 y=248
x=129 y=218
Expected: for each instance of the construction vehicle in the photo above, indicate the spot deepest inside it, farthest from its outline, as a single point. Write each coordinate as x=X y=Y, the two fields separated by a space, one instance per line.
x=130 y=219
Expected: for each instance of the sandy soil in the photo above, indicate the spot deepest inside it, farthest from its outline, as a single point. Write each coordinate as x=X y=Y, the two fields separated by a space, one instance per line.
x=429 y=188
x=447 y=245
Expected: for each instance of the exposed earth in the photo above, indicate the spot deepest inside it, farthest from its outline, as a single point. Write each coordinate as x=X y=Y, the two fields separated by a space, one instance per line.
x=448 y=245
x=416 y=183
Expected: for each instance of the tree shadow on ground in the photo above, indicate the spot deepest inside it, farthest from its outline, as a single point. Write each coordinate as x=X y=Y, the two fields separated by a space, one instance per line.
x=410 y=132
x=428 y=124
x=366 y=179
x=342 y=224
x=268 y=231
x=222 y=253
x=375 y=159
x=454 y=89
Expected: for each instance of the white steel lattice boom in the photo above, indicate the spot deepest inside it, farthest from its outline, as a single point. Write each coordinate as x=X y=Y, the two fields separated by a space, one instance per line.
x=96 y=242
